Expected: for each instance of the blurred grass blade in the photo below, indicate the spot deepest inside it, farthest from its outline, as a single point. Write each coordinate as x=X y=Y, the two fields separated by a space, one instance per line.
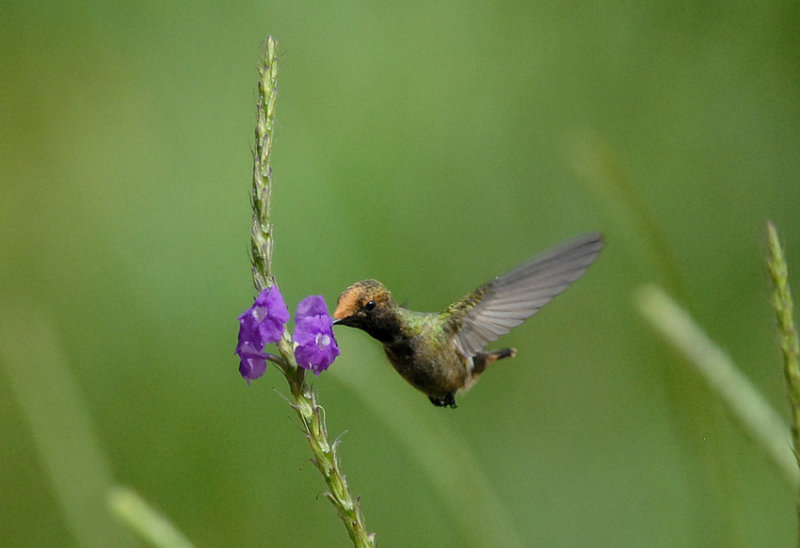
x=142 y=518
x=71 y=455
x=747 y=404
x=602 y=172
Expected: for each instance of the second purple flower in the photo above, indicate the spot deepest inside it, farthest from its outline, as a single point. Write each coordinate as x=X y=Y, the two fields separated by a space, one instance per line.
x=313 y=333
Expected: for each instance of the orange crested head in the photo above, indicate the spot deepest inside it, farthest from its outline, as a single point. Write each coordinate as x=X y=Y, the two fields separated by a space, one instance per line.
x=359 y=300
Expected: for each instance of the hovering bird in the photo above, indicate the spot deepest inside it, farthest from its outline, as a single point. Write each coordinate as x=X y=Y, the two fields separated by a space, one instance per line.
x=443 y=353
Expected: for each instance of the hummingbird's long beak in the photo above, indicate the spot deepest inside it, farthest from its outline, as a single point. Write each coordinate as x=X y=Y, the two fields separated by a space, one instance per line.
x=336 y=320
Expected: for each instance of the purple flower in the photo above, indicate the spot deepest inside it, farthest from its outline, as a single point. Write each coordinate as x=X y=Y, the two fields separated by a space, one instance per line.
x=253 y=362
x=313 y=333
x=262 y=323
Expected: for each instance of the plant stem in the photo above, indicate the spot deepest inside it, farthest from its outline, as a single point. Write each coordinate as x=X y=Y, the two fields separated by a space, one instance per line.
x=261 y=232
x=782 y=301
x=302 y=398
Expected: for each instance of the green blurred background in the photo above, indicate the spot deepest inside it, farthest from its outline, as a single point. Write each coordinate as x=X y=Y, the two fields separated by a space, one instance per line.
x=430 y=145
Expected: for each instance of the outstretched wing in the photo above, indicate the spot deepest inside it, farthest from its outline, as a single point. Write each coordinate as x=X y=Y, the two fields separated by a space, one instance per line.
x=496 y=307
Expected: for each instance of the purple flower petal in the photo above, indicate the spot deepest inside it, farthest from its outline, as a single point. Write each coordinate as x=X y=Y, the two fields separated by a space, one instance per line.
x=313 y=305
x=313 y=333
x=271 y=313
x=252 y=362
x=249 y=328
x=262 y=323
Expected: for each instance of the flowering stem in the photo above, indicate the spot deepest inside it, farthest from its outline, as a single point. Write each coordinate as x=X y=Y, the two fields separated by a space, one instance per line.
x=302 y=398
x=261 y=233
x=782 y=301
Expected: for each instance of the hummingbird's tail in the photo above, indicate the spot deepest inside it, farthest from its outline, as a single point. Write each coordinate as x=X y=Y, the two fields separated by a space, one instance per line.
x=482 y=360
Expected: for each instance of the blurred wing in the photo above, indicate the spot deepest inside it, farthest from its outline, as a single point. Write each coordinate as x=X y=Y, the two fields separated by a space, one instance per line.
x=495 y=308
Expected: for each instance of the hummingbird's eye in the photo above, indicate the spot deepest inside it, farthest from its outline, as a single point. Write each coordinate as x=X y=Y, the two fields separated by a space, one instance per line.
x=370 y=305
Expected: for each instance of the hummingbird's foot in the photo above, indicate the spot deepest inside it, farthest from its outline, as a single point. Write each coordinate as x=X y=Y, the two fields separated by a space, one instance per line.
x=448 y=401
x=481 y=360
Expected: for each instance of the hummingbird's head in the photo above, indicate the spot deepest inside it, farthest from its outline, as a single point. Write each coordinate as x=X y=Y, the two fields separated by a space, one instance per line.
x=364 y=305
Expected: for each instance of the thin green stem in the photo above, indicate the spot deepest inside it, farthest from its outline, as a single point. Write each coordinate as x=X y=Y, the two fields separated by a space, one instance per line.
x=782 y=301
x=302 y=398
x=261 y=232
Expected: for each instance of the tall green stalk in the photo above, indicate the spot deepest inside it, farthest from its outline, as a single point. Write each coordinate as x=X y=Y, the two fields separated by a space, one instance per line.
x=782 y=301
x=302 y=398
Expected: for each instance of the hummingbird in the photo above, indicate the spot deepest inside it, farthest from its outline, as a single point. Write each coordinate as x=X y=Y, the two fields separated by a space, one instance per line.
x=441 y=354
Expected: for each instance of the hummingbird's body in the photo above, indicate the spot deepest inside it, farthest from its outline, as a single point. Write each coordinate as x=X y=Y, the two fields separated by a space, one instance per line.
x=441 y=354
